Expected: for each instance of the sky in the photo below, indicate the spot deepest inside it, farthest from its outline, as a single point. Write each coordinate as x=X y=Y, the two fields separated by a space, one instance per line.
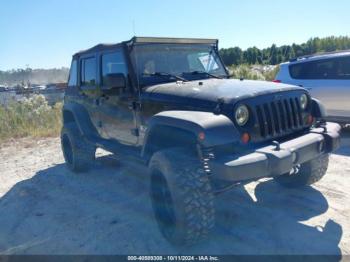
x=46 y=33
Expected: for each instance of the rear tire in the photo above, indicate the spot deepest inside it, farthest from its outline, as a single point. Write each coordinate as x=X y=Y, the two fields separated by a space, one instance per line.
x=182 y=197
x=308 y=173
x=77 y=153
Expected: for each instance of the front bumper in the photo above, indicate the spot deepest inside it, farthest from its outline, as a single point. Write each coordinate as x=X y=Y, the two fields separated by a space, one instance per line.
x=268 y=161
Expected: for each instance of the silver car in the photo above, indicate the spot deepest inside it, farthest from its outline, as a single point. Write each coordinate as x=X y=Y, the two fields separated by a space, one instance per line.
x=326 y=76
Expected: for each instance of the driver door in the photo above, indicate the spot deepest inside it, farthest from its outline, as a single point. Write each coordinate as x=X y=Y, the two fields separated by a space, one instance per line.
x=118 y=115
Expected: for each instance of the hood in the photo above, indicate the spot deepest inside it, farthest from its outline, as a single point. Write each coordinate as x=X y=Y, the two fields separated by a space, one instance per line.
x=229 y=90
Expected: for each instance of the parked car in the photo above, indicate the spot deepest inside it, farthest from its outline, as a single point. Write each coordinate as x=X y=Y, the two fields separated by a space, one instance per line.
x=327 y=77
x=169 y=104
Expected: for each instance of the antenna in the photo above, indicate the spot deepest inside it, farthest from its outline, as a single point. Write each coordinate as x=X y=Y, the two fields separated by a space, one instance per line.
x=136 y=60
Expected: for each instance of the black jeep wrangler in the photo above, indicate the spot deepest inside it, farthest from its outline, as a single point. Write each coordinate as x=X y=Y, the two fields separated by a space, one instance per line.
x=170 y=104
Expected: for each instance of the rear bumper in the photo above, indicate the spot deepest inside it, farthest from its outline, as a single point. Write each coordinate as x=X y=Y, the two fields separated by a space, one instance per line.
x=268 y=161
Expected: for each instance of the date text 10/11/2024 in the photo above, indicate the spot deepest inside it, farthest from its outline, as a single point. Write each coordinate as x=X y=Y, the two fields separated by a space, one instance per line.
x=172 y=258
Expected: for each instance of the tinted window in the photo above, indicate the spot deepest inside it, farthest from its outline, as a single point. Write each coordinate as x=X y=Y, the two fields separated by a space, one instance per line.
x=73 y=74
x=88 y=76
x=344 y=68
x=113 y=63
x=335 y=68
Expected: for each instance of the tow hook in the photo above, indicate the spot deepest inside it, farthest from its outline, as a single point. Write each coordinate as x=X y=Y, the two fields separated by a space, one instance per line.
x=277 y=145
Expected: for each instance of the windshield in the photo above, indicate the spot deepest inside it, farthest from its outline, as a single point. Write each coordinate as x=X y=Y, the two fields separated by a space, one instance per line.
x=157 y=63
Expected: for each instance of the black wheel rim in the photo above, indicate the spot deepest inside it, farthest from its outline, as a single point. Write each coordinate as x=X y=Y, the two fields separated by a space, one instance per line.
x=162 y=203
x=67 y=150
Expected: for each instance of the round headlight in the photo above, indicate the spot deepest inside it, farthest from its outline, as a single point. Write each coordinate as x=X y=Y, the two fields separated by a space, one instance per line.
x=303 y=101
x=242 y=115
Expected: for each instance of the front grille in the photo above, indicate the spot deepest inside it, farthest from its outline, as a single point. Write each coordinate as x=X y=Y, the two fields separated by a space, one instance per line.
x=279 y=117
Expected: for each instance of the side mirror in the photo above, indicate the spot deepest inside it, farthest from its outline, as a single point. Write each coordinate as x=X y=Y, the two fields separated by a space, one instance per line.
x=115 y=81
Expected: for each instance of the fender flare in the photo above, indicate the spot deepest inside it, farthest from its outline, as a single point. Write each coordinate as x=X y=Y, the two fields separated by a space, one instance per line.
x=217 y=129
x=81 y=118
x=317 y=109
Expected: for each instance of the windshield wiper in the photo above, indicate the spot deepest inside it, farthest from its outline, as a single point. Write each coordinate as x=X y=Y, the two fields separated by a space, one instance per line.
x=203 y=72
x=162 y=74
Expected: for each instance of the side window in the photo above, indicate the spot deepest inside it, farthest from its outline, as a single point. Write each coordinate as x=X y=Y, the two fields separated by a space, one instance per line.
x=88 y=71
x=325 y=70
x=306 y=70
x=113 y=63
x=335 y=68
x=343 y=71
x=73 y=74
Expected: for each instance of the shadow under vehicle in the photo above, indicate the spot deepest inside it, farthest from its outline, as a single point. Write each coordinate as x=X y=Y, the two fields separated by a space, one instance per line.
x=107 y=211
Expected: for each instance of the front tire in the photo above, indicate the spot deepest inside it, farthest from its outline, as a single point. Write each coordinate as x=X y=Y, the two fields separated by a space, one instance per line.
x=307 y=174
x=182 y=197
x=77 y=153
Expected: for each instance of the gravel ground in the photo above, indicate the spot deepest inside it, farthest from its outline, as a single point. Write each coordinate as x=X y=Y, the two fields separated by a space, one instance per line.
x=46 y=209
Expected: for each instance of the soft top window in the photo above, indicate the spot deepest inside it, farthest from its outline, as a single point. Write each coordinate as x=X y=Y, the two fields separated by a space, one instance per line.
x=88 y=75
x=113 y=63
x=73 y=74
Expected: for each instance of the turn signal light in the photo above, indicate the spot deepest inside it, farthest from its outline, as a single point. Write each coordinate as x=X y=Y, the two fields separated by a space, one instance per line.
x=245 y=138
x=310 y=119
x=201 y=136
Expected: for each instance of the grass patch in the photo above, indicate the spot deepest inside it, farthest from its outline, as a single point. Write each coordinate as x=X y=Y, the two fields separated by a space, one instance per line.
x=254 y=72
x=30 y=117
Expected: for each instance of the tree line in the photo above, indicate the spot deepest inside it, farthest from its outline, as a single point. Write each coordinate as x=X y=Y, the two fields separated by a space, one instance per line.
x=274 y=55
x=231 y=56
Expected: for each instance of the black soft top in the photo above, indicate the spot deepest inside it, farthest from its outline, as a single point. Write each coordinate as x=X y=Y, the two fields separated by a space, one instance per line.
x=155 y=40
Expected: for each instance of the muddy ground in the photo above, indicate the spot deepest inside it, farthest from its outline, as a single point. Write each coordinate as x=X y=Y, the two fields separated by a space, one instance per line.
x=46 y=209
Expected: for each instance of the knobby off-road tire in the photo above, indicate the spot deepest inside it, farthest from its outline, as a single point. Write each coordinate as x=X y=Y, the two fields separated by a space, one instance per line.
x=182 y=197
x=77 y=153
x=308 y=173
